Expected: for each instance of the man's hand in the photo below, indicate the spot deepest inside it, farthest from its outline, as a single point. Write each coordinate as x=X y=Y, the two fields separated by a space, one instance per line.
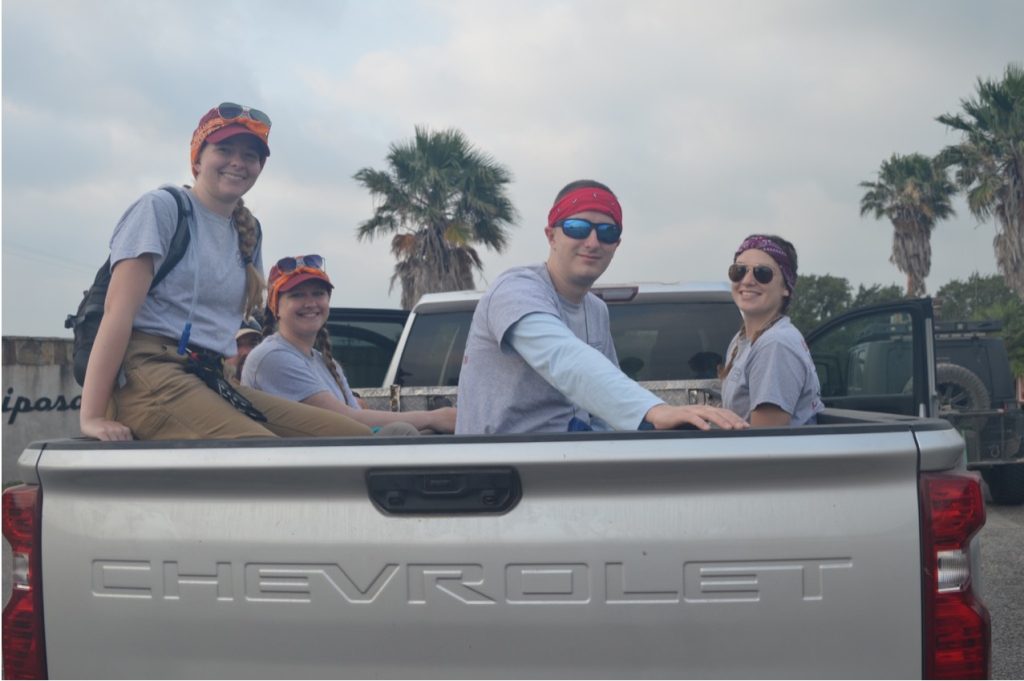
x=666 y=417
x=105 y=429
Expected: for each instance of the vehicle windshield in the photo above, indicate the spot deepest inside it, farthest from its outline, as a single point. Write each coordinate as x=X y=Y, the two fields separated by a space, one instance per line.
x=654 y=342
x=363 y=341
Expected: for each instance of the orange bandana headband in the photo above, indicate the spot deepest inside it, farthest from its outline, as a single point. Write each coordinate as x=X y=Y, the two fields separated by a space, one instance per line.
x=280 y=283
x=214 y=128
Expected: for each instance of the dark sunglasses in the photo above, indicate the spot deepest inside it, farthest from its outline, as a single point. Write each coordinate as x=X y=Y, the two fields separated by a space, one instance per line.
x=578 y=228
x=230 y=111
x=289 y=265
x=762 y=273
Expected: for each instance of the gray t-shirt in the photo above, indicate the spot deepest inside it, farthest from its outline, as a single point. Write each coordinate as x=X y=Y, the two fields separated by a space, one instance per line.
x=147 y=227
x=277 y=367
x=498 y=391
x=777 y=369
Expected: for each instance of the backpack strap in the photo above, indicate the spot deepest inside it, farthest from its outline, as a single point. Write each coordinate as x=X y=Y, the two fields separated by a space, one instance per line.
x=181 y=238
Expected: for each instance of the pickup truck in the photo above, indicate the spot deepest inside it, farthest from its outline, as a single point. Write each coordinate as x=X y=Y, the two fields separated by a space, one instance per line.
x=844 y=549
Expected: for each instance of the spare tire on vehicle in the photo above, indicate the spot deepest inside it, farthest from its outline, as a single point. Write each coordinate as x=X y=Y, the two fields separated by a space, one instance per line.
x=960 y=389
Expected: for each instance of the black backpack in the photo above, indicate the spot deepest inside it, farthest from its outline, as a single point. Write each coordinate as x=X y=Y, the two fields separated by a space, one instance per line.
x=86 y=322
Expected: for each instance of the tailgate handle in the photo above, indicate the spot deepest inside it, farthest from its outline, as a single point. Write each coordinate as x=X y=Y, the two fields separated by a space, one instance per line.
x=449 y=491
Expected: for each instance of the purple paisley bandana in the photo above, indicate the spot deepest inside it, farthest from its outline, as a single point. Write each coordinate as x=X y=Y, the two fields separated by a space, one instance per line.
x=778 y=255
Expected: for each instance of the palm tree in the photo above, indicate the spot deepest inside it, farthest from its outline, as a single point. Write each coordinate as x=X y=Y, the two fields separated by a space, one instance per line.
x=914 y=194
x=990 y=165
x=439 y=196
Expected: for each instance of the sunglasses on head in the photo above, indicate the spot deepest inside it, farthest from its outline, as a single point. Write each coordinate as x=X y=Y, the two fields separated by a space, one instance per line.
x=762 y=273
x=289 y=265
x=578 y=228
x=230 y=111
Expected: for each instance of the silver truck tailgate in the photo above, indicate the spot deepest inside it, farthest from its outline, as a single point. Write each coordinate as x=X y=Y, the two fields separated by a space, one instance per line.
x=665 y=555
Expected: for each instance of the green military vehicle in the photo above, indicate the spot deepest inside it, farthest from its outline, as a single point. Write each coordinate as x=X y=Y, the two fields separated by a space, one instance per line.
x=974 y=386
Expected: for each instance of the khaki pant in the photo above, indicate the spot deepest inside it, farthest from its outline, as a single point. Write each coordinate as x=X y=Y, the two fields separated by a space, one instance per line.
x=161 y=401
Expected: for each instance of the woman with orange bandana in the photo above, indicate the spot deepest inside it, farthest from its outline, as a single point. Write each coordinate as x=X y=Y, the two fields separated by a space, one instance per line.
x=296 y=362
x=156 y=367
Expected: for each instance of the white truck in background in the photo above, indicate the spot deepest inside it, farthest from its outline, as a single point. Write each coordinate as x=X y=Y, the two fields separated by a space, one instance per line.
x=670 y=338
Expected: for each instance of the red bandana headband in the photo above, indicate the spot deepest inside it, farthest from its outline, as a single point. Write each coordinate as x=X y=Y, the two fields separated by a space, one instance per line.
x=584 y=199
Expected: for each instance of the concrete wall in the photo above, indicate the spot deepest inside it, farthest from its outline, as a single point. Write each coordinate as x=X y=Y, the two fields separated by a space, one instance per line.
x=40 y=397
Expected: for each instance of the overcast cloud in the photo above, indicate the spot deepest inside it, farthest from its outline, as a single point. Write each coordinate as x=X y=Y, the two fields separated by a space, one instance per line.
x=710 y=121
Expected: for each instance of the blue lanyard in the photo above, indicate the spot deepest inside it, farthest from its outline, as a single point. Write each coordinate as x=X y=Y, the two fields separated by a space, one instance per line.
x=186 y=332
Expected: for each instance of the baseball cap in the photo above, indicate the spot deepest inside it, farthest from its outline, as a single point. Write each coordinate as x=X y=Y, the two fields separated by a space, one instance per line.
x=214 y=127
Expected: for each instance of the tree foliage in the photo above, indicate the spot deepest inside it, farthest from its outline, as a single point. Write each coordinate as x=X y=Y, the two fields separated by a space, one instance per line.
x=875 y=295
x=817 y=299
x=969 y=299
x=914 y=194
x=821 y=297
x=439 y=197
x=987 y=298
x=989 y=163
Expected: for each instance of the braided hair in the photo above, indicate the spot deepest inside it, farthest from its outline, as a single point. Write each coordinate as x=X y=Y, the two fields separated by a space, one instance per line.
x=248 y=239
x=323 y=344
x=724 y=371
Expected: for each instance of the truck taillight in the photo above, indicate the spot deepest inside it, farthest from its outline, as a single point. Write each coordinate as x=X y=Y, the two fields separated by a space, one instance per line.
x=957 y=630
x=24 y=655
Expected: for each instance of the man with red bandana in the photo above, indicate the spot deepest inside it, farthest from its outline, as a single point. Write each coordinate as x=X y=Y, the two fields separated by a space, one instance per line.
x=540 y=357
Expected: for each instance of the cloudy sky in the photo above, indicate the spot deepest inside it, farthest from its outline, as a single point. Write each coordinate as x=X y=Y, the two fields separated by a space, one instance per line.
x=711 y=120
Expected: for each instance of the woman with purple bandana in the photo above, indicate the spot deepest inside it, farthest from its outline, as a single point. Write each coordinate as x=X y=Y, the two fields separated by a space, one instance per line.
x=770 y=378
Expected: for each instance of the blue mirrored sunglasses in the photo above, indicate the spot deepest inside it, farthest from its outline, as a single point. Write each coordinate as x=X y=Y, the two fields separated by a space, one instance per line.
x=578 y=228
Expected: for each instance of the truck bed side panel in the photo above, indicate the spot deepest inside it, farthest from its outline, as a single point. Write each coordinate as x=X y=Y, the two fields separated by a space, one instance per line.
x=672 y=555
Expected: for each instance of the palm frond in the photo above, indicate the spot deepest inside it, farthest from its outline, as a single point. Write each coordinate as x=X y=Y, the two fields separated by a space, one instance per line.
x=914 y=192
x=439 y=196
x=989 y=162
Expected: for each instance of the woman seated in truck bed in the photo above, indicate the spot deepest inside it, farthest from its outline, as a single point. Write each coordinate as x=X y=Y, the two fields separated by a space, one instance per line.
x=156 y=369
x=770 y=379
x=296 y=361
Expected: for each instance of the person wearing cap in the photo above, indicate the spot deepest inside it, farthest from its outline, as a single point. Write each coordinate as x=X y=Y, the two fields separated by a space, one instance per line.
x=770 y=378
x=540 y=357
x=156 y=367
x=296 y=362
x=246 y=338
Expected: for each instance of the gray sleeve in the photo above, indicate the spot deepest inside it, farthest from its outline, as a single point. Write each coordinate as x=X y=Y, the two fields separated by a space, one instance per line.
x=776 y=374
x=282 y=373
x=516 y=295
x=582 y=373
x=146 y=227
